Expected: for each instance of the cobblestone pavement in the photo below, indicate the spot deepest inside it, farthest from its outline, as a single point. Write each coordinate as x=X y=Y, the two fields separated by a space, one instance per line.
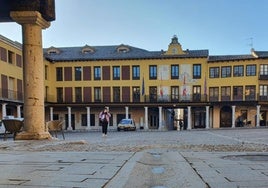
x=194 y=140
x=147 y=159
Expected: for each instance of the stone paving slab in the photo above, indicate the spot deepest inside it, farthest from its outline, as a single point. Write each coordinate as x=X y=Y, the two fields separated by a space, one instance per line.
x=230 y=169
x=60 y=169
x=146 y=169
x=157 y=168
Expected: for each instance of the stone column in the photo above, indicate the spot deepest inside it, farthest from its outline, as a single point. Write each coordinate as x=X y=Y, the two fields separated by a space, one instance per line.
x=207 y=117
x=51 y=113
x=233 y=116
x=189 y=119
x=126 y=109
x=69 y=118
x=88 y=118
x=258 y=116
x=160 y=118
x=146 y=118
x=4 y=110
x=18 y=111
x=33 y=74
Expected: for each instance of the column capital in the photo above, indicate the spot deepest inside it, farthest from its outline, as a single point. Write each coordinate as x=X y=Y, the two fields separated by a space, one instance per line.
x=29 y=17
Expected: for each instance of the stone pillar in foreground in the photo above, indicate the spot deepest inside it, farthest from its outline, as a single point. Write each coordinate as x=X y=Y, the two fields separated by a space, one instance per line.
x=32 y=24
x=146 y=126
x=233 y=116
x=160 y=118
x=189 y=118
x=258 y=115
x=207 y=117
x=88 y=118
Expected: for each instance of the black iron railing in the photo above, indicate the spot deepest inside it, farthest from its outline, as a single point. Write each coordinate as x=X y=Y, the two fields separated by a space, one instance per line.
x=11 y=95
x=161 y=99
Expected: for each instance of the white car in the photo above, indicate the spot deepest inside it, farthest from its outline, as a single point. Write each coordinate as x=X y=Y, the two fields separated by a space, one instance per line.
x=126 y=124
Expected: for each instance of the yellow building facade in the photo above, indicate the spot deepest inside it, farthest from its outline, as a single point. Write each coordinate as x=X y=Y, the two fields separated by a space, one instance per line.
x=155 y=88
x=11 y=79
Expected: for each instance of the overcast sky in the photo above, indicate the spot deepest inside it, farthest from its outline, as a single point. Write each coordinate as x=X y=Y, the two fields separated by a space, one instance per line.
x=224 y=27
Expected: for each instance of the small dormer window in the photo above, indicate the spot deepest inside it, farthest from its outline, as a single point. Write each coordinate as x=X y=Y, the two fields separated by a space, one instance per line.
x=87 y=49
x=53 y=50
x=123 y=49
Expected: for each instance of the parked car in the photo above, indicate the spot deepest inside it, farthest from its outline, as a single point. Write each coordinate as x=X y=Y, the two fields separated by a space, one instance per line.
x=126 y=124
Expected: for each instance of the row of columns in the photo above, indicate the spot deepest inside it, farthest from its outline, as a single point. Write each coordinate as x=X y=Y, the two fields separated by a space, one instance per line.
x=88 y=116
x=189 y=122
x=161 y=126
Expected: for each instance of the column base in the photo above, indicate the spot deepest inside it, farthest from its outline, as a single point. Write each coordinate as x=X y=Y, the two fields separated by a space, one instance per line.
x=69 y=128
x=33 y=136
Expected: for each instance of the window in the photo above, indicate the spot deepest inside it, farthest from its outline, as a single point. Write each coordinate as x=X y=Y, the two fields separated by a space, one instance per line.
x=123 y=49
x=153 y=93
x=213 y=94
x=226 y=93
x=197 y=71
x=136 y=94
x=136 y=72
x=46 y=93
x=11 y=57
x=78 y=94
x=46 y=72
x=264 y=70
x=263 y=92
x=78 y=73
x=214 y=72
x=250 y=93
x=68 y=76
x=153 y=72
x=238 y=71
x=251 y=70
x=174 y=93
x=97 y=94
x=97 y=73
x=238 y=93
x=86 y=73
x=59 y=74
x=3 y=54
x=116 y=94
x=174 y=71
x=196 y=93
x=116 y=73
x=226 y=72
x=59 y=94
x=18 y=60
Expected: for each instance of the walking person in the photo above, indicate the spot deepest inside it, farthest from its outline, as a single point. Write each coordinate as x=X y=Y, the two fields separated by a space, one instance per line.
x=181 y=124
x=104 y=117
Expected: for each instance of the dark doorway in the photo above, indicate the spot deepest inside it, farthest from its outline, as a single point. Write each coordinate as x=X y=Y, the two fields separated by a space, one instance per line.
x=226 y=116
x=72 y=121
x=199 y=118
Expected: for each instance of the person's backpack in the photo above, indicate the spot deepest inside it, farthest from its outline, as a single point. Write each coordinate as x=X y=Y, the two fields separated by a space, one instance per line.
x=103 y=118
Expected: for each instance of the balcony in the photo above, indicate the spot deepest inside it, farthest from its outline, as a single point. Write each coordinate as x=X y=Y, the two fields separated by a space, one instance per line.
x=11 y=95
x=263 y=77
x=134 y=99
